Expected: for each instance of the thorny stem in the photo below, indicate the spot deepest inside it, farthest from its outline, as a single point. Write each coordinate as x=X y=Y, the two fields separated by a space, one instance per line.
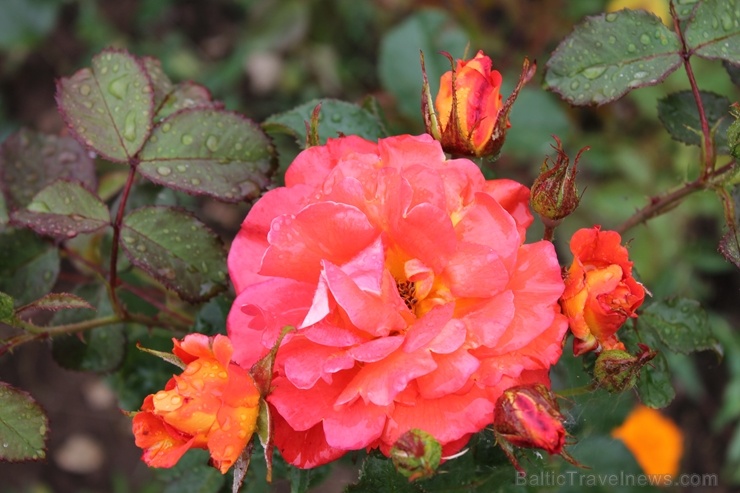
x=709 y=157
x=34 y=332
x=584 y=389
x=113 y=274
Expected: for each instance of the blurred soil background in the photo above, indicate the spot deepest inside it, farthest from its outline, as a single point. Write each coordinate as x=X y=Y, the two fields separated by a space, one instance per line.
x=265 y=56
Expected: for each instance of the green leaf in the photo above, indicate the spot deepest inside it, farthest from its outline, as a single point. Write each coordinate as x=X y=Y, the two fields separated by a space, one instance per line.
x=7 y=313
x=176 y=249
x=100 y=349
x=378 y=474
x=211 y=318
x=212 y=152
x=335 y=118
x=681 y=324
x=680 y=117
x=161 y=84
x=186 y=95
x=57 y=301
x=654 y=387
x=192 y=474
x=63 y=210
x=109 y=108
x=29 y=266
x=610 y=54
x=684 y=8
x=30 y=161
x=25 y=23
x=24 y=426
x=733 y=71
x=430 y=31
x=714 y=30
x=733 y=132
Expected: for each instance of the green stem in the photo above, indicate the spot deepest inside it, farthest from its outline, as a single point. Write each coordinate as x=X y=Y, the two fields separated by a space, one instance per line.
x=34 y=332
x=585 y=389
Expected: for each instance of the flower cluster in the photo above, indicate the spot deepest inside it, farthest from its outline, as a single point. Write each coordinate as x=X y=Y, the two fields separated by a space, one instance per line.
x=415 y=300
x=212 y=405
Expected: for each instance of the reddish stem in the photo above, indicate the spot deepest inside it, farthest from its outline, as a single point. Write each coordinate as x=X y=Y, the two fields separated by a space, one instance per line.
x=113 y=279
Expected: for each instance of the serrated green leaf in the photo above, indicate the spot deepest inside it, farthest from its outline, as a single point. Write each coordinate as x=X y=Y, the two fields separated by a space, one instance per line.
x=23 y=426
x=654 y=385
x=211 y=318
x=161 y=84
x=29 y=266
x=610 y=54
x=186 y=95
x=680 y=116
x=681 y=324
x=192 y=474
x=212 y=152
x=30 y=161
x=110 y=107
x=336 y=117
x=430 y=31
x=714 y=30
x=379 y=475
x=100 y=349
x=176 y=249
x=63 y=210
x=684 y=8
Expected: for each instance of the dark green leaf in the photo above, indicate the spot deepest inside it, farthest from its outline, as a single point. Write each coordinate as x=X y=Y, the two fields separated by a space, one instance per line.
x=378 y=474
x=176 y=249
x=684 y=8
x=430 y=31
x=100 y=349
x=7 y=313
x=714 y=30
x=23 y=426
x=25 y=23
x=29 y=266
x=680 y=117
x=29 y=161
x=654 y=385
x=211 y=152
x=109 y=108
x=63 y=210
x=192 y=474
x=733 y=132
x=186 y=95
x=336 y=118
x=161 y=84
x=681 y=324
x=57 y=301
x=733 y=71
x=211 y=318
x=610 y=54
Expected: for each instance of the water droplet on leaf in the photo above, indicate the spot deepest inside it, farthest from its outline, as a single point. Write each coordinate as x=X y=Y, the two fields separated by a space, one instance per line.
x=187 y=139
x=164 y=170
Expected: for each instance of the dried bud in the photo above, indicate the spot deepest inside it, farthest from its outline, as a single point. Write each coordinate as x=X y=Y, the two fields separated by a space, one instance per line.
x=554 y=192
x=529 y=416
x=468 y=116
x=617 y=370
x=416 y=454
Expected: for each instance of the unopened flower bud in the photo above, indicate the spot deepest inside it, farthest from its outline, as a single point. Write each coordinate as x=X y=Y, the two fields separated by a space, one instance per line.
x=468 y=116
x=554 y=192
x=529 y=416
x=416 y=454
x=616 y=370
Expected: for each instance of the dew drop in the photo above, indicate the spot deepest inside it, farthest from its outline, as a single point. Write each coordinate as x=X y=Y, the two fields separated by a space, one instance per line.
x=594 y=72
x=631 y=48
x=164 y=170
x=645 y=39
x=5 y=445
x=85 y=89
x=129 y=127
x=141 y=248
x=181 y=168
x=195 y=181
x=212 y=143
x=611 y=17
x=574 y=85
x=640 y=75
x=727 y=23
x=166 y=127
x=186 y=139
x=118 y=87
x=238 y=146
x=612 y=40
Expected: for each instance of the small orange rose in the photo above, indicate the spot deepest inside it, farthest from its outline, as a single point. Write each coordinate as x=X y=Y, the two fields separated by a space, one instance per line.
x=600 y=292
x=212 y=405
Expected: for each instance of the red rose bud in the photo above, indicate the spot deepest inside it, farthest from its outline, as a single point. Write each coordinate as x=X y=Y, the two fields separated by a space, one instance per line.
x=416 y=454
x=529 y=416
x=617 y=370
x=468 y=116
x=554 y=192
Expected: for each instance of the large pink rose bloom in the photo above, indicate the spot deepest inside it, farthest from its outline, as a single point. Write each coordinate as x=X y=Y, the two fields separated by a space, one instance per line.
x=415 y=299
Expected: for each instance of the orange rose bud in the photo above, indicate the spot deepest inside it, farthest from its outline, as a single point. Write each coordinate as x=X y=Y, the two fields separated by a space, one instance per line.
x=212 y=405
x=529 y=416
x=554 y=192
x=468 y=116
x=600 y=292
x=416 y=454
x=616 y=370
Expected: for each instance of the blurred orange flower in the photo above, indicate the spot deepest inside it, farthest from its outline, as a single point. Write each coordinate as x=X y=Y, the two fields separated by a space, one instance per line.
x=212 y=405
x=654 y=440
x=657 y=7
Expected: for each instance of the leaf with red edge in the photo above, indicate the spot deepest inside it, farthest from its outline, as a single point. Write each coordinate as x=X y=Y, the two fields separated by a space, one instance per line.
x=161 y=83
x=185 y=95
x=29 y=161
x=109 y=108
x=24 y=426
x=55 y=302
x=714 y=30
x=177 y=249
x=63 y=210
x=204 y=151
